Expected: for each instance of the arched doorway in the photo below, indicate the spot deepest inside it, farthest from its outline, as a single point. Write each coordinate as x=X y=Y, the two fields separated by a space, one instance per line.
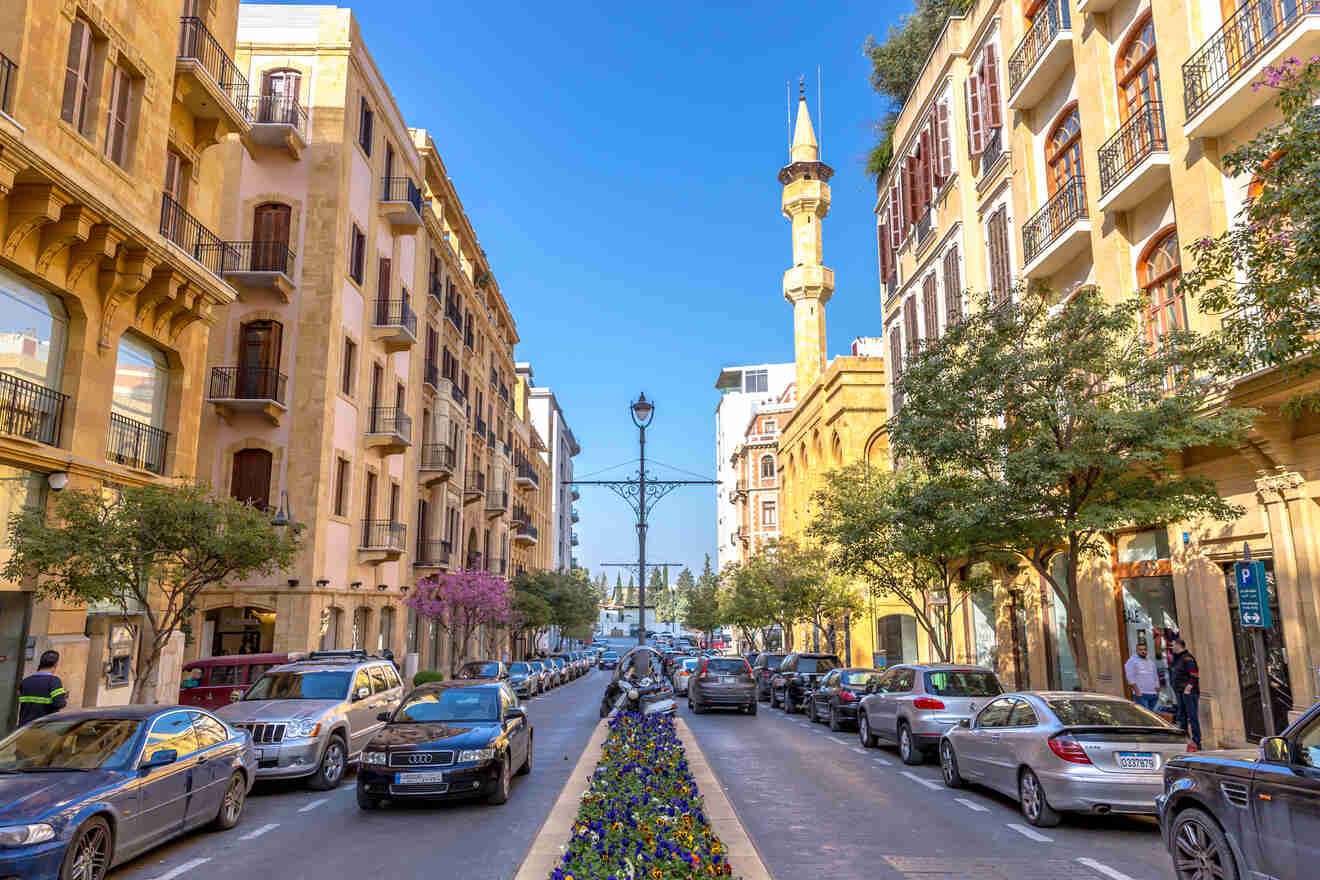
x=361 y=620
x=331 y=618
x=385 y=638
x=896 y=638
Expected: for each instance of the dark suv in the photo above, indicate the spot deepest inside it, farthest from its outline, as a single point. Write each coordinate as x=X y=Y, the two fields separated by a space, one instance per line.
x=1246 y=812
x=763 y=670
x=797 y=677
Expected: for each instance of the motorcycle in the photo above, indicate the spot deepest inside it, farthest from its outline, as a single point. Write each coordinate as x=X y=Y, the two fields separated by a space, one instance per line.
x=634 y=689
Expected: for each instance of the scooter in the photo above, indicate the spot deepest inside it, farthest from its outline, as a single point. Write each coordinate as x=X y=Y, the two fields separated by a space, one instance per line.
x=645 y=697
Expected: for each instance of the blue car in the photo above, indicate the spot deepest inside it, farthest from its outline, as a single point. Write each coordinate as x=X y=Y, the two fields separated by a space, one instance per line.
x=86 y=789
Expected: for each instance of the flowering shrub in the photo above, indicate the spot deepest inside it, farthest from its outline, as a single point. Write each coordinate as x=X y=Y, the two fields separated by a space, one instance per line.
x=642 y=818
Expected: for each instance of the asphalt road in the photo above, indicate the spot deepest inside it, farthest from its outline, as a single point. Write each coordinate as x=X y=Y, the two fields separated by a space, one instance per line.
x=288 y=832
x=818 y=805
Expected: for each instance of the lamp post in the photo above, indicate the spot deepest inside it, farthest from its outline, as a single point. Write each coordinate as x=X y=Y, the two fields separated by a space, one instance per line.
x=643 y=411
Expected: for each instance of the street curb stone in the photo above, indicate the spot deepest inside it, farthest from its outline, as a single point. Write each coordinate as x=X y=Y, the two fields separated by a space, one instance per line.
x=547 y=849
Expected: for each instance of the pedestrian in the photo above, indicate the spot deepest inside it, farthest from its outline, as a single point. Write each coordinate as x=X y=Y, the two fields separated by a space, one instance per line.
x=1143 y=679
x=41 y=693
x=1187 y=688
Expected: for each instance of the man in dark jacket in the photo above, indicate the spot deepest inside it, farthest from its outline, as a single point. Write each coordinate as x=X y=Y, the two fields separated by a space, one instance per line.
x=1187 y=688
x=41 y=693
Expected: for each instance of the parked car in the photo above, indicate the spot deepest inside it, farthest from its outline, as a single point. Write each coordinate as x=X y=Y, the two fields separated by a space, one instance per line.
x=797 y=676
x=609 y=660
x=85 y=789
x=683 y=671
x=763 y=670
x=524 y=679
x=1246 y=812
x=723 y=683
x=312 y=718
x=560 y=668
x=1064 y=751
x=836 y=696
x=448 y=739
x=544 y=676
x=491 y=670
x=217 y=681
x=566 y=664
x=914 y=704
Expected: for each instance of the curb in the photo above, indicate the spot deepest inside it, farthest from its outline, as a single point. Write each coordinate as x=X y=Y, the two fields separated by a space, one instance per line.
x=742 y=854
x=547 y=847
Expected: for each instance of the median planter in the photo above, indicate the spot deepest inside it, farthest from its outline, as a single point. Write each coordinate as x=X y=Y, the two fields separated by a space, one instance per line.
x=642 y=817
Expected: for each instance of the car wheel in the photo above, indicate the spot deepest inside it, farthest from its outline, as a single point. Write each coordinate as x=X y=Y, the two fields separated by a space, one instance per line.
x=697 y=708
x=367 y=801
x=231 y=808
x=501 y=793
x=949 y=766
x=527 y=765
x=1200 y=848
x=835 y=725
x=89 y=852
x=751 y=710
x=1035 y=807
x=907 y=746
x=864 y=731
x=331 y=771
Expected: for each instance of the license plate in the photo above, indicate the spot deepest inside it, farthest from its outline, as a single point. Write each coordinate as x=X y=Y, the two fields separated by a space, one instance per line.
x=419 y=778
x=1136 y=760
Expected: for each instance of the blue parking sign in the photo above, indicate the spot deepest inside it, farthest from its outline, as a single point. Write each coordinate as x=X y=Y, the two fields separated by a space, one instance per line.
x=1253 y=595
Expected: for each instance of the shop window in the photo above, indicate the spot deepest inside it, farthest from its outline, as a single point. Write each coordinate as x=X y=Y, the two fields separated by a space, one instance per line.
x=1158 y=273
x=34 y=330
x=896 y=638
x=1150 y=618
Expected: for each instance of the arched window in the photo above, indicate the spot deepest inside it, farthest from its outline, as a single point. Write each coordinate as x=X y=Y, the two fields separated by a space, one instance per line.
x=767 y=467
x=1064 y=151
x=1139 y=69
x=1158 y=272
x=250 y=479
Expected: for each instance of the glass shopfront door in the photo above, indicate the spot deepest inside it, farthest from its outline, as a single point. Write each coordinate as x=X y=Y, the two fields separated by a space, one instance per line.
x=1276 y=662
x=1150 y=618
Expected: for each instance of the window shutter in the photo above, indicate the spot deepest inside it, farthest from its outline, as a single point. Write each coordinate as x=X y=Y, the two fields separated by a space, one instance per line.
x=975 y=137
x=895 y=353
x=945 y=139
x=895 y=213
x=383 y=279
x=930 y=305
x=250 y=479
x=882 y=244
x=910 y=323
x=117 y=121
x=74 y=106
x=927 y=171
x=990 y=67
x=952 y=289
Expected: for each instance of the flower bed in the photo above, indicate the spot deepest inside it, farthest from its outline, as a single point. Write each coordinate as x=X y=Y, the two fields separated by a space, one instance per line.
x=642 y=818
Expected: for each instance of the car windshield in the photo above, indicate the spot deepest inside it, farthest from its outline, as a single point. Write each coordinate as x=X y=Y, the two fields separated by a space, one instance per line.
x=293 y=684
x=453 y=704
x=520 y=668
x=723 y=666
x=812 y=665
x=69 y=744
x=478 y=670
x=771 y=661
x=962 y=683
x=610 y=655
x=858 y=676
x=690 y=663
x=1092 y=712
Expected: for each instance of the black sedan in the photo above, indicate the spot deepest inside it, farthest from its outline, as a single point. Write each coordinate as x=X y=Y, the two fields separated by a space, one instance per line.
x=447 y=739
x=83 y=790
x=836 y=696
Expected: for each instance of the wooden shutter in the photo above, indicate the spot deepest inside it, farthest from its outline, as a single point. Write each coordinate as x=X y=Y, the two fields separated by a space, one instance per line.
x=927 y=173
x=945 y=140
x=990 y=71
x=1000 y=273
x=885 y=254
x=975 y=136
x=895 y=218
x=383 y=279
x=76 y=75
x=895 y=353
x=930 y=305
x=116 y=130
x=250 y=479
x=952 y=289
x=910 y=323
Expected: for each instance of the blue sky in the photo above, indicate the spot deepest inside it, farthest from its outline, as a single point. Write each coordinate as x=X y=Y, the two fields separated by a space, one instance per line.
x=619 y=164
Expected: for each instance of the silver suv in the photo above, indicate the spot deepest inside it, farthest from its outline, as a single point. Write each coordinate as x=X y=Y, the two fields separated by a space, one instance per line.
x=312 y=718
x=914 y=704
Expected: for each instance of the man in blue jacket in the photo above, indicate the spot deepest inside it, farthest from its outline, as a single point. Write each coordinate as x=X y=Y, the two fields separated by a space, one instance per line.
x=42 y=692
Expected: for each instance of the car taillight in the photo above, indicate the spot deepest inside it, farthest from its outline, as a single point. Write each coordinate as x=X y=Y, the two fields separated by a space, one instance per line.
x=927 y=703
x=1068 y=749
x=847 y=696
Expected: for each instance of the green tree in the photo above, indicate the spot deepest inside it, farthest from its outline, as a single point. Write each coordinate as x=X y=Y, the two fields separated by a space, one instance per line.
x=664 y=599
x=149 y=549
x=703 y=602
x=748 y=599
x=1060 y=425
x=811 y=593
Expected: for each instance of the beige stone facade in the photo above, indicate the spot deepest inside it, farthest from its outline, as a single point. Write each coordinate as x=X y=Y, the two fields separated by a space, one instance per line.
x=110 y=177
x=755 y=493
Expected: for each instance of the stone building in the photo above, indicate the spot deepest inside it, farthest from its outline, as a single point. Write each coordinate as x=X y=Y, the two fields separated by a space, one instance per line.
x=548 y=419
x=754 y=495
x=111 y=173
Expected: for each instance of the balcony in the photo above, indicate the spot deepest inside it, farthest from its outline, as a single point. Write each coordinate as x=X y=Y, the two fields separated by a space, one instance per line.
x=1057 y=232
x=490 y=440
x=497 y=502
x=993 y=149
x=742 y=534
x=518 y=515
x=401 y=203
x=479 y=425
x=208 y=83
x=431 y=377
x=136 y=444
x=573 y=540
x=475 y=487
x=525 y=477
x=576 y=493
x=279 y=121
x=1134 y=163
x=382 y=540
x=1039 y=61
x=1217 y=80
x=923 y=227
x=433 y=554
x=456 y=390
x=8 y=84
x=739 y=489
x=574 y=515
x=469 y=339
x=31 y=411
x=526 y=535
x=259 y=265
x=389 y=430
x=248 y=389
x=438 y=463
x=394 y=324
x=454 y=315
x=187 y=233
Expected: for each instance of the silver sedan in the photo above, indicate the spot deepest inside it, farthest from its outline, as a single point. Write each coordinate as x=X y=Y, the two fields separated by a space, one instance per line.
x=1063 y=751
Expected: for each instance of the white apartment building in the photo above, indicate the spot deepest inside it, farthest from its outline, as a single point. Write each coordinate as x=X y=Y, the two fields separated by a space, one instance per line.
x=549 y=421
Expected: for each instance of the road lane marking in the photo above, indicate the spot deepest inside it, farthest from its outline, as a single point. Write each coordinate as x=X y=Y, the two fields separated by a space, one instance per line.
x=883 y=761
x=972 y=805
x=1029 y=834
x=1104 y=869
x=842 y=742
x=859 y=750
x=182 y=869
x=260 y=831
x=917 y=779
x=313 y=805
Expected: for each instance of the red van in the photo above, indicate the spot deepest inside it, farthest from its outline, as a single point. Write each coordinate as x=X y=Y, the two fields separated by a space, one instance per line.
x=220 y=681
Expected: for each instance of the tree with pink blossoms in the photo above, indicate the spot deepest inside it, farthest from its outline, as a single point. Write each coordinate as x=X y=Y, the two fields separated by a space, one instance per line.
x=461 y=603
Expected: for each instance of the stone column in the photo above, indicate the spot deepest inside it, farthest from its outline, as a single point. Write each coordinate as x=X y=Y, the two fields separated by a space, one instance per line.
x=1292 y=524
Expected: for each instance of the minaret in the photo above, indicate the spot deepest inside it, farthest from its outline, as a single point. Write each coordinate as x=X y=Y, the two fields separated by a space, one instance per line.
x=809 y=284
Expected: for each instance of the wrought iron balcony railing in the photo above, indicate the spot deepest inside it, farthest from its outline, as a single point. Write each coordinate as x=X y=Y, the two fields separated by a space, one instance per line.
x=438 y=457
x=480 y=424
x=527 y=530
x=923 y=225
x=31 y=410
x=454 y=314
x=434 y=552
x=1053 y=17
x=258 y=256
x=8 y=83
x=396 y=313
x=197 y=44
x=431 y=374
x=389 y=420
x=525 y=472
x=1065 y=207
x=194 y=239
x=519 y=514
x=497 y=499
x=476 y=483
x=436 y=288
x=247 y=383
x=136 y=444
x=1244 y=38
x=279 y=110
x=401 y=189
x=383 y=534
x=456 y=390
x=993 y=149
x=1141 y=136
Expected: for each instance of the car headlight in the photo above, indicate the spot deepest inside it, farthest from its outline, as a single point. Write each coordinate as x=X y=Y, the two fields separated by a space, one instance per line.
x=22 y=835
x=303 y=728
x=374 y=758
x=476 y=755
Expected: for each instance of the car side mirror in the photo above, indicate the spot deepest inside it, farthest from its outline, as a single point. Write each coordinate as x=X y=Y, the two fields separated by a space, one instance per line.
x=965 y=723
x=362 y=693
x=382 y=716
x=159 y=758
x=1274 y=749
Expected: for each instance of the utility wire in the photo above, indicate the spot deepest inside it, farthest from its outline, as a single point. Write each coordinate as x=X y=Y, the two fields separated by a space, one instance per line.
x=680 y=470
x=610 y=468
